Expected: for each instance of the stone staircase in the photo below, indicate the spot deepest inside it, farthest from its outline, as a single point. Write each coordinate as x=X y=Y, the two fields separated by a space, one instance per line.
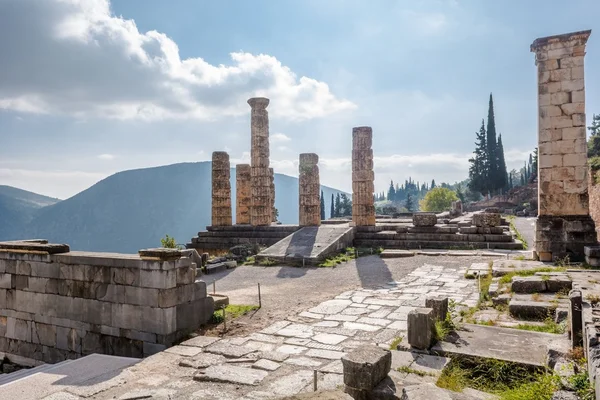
x=219 y=239
x=309 y=245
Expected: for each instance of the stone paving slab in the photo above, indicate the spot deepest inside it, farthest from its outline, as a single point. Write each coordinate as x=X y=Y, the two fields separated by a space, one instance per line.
x=231 y=374
x=513 y=345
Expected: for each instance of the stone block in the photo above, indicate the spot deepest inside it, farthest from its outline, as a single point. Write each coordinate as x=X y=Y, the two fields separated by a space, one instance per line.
x=125 y=276
x=141 y=296
x=158 y=279
x=366 y=366
x=5 y=281
x=18 y=329
x=486 y=219
x=576 y=317
x=424 y=219
x=559 y=284
x=528 y=284
x=421 y=328
x=152 y=348
x=43 y=334
x=592 y=251
x=439 y=305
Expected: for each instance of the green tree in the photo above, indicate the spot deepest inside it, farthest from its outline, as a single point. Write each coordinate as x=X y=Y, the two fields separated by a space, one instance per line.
x=391 y=196
x=322 y=206
x=345 y=206
x=491 y=149
x=478 y=172
x=501 y=165
x=594 y=142
x=409 y=204
x=332 y=212
x=338 y=206
x=438 y=199
x=432 y=184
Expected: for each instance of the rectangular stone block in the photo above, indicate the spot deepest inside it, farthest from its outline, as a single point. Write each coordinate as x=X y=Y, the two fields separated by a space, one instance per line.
x=366 y=366
x=43 y=334
x=574 y=160
x=573 y=133
x=5 y=281
x=18 y=329
x=421 y=328
x=141 y=296
x=439 y=305
x=158 y=279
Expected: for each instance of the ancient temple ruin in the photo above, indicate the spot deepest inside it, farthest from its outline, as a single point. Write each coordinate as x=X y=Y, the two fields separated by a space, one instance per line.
x=261 y=211
x=242 y=194
x=564 y=225
x=363 y=207
x=309 y=190
x=221 y=189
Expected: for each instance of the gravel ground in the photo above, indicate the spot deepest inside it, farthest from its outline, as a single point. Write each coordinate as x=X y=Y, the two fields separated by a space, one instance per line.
x=289 y=290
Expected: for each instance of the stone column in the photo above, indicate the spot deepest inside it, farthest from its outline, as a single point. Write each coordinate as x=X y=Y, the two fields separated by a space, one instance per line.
x=310 y=202
x=272 y=187
x=363 y=207
x=242 y=194
x=221 y=189
x=261 y=212
x=564 y=225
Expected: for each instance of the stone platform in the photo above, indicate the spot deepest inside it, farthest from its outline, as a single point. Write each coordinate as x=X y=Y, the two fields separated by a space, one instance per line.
x=310 y=244
x=219 y=239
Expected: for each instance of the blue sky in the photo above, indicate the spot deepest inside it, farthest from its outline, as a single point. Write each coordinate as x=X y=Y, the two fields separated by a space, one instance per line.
x=91 y=87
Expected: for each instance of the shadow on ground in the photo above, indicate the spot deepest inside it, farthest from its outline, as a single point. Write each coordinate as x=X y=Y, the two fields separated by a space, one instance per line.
x=373 y=271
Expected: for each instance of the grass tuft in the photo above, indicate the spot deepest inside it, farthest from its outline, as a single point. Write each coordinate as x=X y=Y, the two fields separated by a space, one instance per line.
x=409 y=370
x=267 y=262
x=550 y=326
x=232 y=311
x=506 y=279
x=395 y=343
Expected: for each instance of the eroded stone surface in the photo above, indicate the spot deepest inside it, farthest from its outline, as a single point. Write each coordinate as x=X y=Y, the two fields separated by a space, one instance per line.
x=231 y=374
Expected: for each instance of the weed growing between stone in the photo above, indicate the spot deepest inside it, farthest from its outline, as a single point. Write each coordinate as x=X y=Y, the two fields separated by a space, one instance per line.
x=395 y=343
x=507 y=279
x=350 y=253
x=594 y=299
x=267 y=262
x=409 y=370
x=580 y=383
x=550 y=326
x=510 y=381
x=232 y=311
x=249 y=261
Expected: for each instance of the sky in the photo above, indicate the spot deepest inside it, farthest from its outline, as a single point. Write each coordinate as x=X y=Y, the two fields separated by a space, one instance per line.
x=92 y=87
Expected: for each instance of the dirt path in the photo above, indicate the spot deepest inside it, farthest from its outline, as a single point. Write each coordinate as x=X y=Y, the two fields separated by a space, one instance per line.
x=288 y=290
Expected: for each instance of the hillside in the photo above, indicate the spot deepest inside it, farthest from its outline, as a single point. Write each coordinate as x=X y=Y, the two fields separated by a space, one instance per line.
x=18 y=207
x=133 y=209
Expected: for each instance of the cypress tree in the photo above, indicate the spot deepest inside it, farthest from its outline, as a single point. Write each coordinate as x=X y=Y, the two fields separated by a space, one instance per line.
x=338 y=206
x=391 y=192
x=322 y=207
x=432 y=184
x=478 y=172
x=534 y=164
x=332 y=212
x=409 y=203
x=501 y=163
x=493 y=177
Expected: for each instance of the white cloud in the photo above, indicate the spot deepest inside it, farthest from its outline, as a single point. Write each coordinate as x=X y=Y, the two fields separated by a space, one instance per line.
x=106 y=157
x=279 y=138
x=76 y=58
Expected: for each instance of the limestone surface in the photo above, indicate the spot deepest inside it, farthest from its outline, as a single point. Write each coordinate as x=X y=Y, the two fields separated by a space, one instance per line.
x=221 y=189
x=363 y=206
x=242 y=194
x=424 y=219
x=261 y=211
x=309 y=190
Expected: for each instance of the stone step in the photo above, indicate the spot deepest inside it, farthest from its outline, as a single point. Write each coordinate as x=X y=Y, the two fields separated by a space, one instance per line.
x=503 y=267
x=541 y=283
x=531 y=309
x=396 y=253
x=513 y=345
x=431 y=244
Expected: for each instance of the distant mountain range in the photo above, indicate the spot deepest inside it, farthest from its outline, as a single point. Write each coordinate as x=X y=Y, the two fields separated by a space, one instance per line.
x=131 y=210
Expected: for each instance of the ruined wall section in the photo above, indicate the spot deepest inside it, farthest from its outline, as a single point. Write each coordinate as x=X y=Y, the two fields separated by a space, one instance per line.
x=58 y=305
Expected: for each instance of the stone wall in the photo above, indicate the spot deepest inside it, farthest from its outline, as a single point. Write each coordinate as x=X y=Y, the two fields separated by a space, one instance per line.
x=56 y=304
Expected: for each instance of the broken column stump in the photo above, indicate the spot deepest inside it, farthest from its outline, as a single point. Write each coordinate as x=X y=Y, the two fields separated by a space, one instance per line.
x=576 y=318
x=439 y=305
x=261 y=210
x=221 y=189
x=365 y=368
x=421 y=327
x=363 y=205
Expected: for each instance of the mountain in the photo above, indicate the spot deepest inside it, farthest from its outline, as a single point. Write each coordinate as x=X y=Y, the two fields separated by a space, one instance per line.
x=18 y=207
x=134 y=209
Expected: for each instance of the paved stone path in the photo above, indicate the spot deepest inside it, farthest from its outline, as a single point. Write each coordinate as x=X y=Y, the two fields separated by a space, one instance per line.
x=280 y=359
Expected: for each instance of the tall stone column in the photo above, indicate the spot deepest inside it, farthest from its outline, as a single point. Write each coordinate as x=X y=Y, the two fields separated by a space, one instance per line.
x=261 y=212
x=272 y=187
x=242 y=194
x=564 y=225
x=310 y=202
x=363 y=206
x=221 y=189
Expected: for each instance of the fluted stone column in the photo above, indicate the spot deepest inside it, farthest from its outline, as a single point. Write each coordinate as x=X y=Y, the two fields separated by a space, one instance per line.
x=272 y=187
x=261 y=212
x=221 y=189
x=310 y=203
x=564 y=225
x=363 y=207
x=242 y=194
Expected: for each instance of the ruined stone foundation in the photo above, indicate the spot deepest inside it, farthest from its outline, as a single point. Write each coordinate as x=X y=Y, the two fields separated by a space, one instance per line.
x=563 y=236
